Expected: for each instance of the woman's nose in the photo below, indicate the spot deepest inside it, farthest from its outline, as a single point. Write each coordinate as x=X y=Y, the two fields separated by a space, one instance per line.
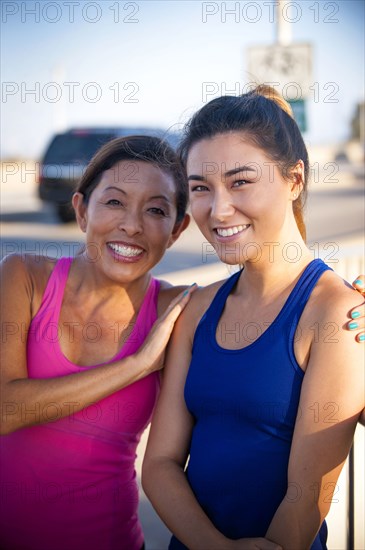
x=131 y=223
x=222 y=206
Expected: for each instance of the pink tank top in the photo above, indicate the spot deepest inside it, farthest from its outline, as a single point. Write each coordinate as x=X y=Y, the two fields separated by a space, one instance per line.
x=70 y=484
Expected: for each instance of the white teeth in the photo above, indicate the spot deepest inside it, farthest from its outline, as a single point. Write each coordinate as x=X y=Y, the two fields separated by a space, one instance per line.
x=232 y=230
x=127 y=251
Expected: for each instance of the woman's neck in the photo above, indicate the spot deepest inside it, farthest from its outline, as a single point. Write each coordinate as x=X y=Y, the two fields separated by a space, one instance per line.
x=89 y=284
x=278 y=267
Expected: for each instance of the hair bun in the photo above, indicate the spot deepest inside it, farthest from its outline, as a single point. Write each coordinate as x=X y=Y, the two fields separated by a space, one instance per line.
x=270 y=93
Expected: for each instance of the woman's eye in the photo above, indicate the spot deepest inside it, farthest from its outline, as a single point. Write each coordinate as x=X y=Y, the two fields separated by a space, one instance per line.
x=114 y=202
x=198 y=188
x=238 y=183
x=157 y=211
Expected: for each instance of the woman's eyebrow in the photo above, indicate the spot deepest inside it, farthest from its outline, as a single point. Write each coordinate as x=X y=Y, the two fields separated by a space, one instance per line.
x=153 y=197
x=232 y=172
x=112 y=187
x=162 y=197
x=239 y=169
x=195 y=177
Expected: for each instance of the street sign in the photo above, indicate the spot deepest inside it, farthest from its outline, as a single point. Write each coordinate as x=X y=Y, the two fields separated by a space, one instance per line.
x=299 y=112
x=287 y=68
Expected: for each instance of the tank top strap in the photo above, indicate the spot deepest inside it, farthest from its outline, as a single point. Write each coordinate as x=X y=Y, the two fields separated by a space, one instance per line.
x=292 y=310
x=296 y=302
x=214 y=311
x=146 y=316
x=55 y=288
x=148 y=311
x=222 y=294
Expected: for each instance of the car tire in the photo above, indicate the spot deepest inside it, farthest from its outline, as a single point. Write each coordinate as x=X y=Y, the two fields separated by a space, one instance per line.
x=65 y=212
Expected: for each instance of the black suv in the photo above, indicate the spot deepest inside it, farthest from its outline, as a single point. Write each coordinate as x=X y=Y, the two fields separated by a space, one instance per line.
x=67 y=156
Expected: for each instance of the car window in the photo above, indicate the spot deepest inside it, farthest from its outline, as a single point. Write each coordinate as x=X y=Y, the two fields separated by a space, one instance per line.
x=73 y=148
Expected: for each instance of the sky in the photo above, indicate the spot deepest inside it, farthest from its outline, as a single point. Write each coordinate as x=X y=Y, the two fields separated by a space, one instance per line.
x=153 y=63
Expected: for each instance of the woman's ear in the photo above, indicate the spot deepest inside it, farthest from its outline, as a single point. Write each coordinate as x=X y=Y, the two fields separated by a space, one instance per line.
x=179 y=227
x=80 y=210
x=297 y=179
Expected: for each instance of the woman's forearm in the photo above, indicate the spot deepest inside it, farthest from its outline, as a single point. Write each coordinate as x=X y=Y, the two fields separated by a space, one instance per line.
x=26 y=401
x=296 y=524
x=165 y=484
x=29 y=401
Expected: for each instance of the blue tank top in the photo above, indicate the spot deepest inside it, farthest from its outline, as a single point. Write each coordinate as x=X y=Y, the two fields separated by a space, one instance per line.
x=244 y=403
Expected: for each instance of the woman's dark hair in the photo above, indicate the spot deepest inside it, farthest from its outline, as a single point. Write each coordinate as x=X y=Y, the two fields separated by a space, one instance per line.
x=267 y=120
x=137 y=148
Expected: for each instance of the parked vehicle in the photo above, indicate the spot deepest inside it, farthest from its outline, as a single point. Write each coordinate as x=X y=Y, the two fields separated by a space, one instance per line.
x=67 y=156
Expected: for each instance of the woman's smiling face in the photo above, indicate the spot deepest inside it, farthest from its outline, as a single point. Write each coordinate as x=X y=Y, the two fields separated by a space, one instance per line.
x=130 y=219
x=238 y=196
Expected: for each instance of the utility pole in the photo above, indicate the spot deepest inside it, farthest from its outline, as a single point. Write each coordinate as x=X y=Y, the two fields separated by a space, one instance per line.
x=283 y=25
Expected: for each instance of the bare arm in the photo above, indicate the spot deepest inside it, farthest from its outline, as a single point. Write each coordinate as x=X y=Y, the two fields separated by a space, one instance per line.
x=163 y=476
x=332 y=397
x=23 y=400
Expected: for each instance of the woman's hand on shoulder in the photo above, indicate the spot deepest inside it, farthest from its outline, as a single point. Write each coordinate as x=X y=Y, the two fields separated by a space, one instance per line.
x=194 y=300
x=357 y=322
x=152 y=351
x=196 y=306
x=334 y=343
x=357 y=314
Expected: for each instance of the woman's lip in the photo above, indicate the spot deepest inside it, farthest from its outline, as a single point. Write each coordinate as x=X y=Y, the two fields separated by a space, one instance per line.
x=125 y=244
x=231 y=231
x=126 y=253
x=231 y=238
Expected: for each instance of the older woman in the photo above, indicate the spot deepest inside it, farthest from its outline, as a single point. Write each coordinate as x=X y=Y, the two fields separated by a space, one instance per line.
x=80 y=359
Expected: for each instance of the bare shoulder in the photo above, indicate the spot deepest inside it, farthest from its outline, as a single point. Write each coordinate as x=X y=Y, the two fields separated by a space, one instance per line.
x=16 y=268
x=25 y=275
x=32 y=264
x=167 y=293
x=203 y=297
x=170 y=291
x=333 y=297
x=324 y=325
x=335 y=372
x=198 y=305
x=199 y=301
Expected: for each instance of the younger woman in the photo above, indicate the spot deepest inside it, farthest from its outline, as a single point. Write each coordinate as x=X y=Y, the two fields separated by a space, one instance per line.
x=263 y=384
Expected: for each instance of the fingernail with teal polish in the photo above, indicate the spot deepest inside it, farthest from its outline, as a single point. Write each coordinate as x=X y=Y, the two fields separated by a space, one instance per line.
x=362 y=337
x=358 y=282
x=355 y=314
x=185 y=293
x=353 y=325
